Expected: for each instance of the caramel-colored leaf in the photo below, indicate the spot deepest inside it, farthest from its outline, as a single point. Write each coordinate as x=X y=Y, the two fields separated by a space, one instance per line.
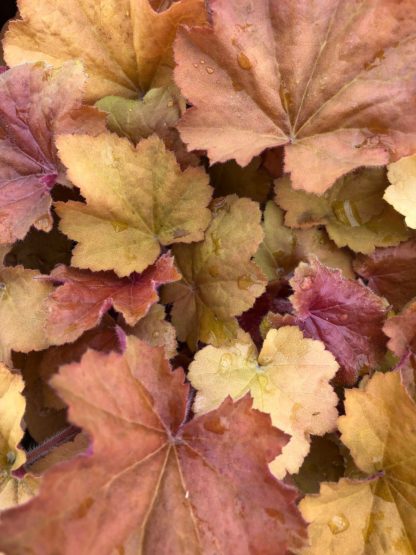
x=288 y=379
x=219 y=280
x=378 y=514
x=137 y=199
x=125 y=46
x=152 y=483
x=334 y=82
x=401 y=193
x=353 y=211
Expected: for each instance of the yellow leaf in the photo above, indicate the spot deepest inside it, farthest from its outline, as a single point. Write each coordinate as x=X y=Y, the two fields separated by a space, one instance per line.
x=219 y=280
x=376 y=515
x=22 y=311
x=289 y=379
x=353 y=211
x=12 y=408
x=402 y=192
x=137 y=199
x=283 y=248
x=125 y=46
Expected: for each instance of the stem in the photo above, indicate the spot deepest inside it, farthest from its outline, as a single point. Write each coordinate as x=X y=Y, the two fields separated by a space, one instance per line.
x=63 y=436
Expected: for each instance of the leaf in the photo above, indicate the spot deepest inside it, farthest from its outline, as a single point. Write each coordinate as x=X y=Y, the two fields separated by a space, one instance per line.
x=22 y=306
x=124 y=45
x=344 y=314
x=251 y=182
x=137 y=200
x=391 y=272
x=36 y=103
x=219 y=281
x=353 y=211
x=288 y=379
x=12 y=407
x=283 y=248
x=400 y=194
x=401 y=331
x=340 y=98
x=83 y=297
x=378 y=514
x=147 y=461
x=138 y=119
x=156 y=331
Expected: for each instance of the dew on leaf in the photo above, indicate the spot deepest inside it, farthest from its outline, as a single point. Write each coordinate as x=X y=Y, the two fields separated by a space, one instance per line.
x=244 y=61
x=209 y=70
x=119 y=226
x=225 y=362
x=338 y=523
x=10 y=457
x=244 y=282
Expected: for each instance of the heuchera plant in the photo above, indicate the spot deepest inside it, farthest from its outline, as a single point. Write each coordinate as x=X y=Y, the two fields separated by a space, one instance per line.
x=208 y=278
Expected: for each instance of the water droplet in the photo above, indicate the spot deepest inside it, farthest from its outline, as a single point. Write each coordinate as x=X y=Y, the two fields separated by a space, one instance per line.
x=195 y=65
x=119 y=226
x=244 y=61
x=338 y=523
x=216 y=425
x=214 y=271
x=202 y=61
x=263 y=381
x=156 y=334
x=244 y=282
x=10 y=457
x=306 y=284
x=209 y=70
x=187 y=495
x=216 y=244
x=226 y=361
x=344 y=317
x=170 y=103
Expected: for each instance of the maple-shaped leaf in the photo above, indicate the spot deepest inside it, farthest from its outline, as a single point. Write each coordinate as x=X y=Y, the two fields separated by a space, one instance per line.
x=401 y=330
x=219 y=281
x=283 y=248
x=353 y=211
x=391 y=272
x=251 y=182
x=155 y=330
x=342 y=97
x=36 y=103
x=154 y=483
x=125 y=46
x=347 y=316
x=137 y=200
x=83 y=297
x=22 y=311
x=288 y=379
x=401 y=192
x=12 y=406
x=378 y=513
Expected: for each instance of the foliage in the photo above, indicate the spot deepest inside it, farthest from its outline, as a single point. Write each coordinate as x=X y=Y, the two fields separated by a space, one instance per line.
x=208 y=278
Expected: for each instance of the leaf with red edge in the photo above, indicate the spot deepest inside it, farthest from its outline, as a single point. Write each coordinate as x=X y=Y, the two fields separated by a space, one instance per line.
x=340 y=97
x=83 y=297
x=152 y=483
x=391 y=272
x=344 y=314
x=36 y=104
